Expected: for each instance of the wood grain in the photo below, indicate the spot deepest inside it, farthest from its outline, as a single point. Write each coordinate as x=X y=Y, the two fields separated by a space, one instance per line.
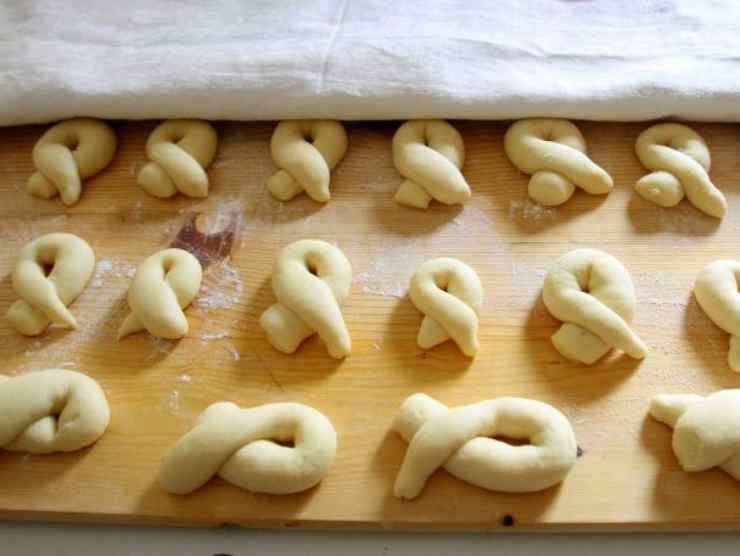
x=627 y=476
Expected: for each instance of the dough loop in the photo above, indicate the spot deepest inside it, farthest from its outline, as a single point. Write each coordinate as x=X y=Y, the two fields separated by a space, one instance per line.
x=592 y=293
x=553 y=152
x=310 y=279
x=429 y=155
x=306 y=151
x=680 y=160
x=51 y=411
x=462 y=441
x=449 y=293
x=179 y=151
x=243 y=447
x=164 y=284
x=68 y=153
x=51 y=272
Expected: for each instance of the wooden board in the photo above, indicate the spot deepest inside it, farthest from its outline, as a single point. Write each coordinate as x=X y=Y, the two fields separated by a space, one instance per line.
x=627 y=476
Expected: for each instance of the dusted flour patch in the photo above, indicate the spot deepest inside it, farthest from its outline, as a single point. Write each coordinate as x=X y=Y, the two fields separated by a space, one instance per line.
x=221 y=288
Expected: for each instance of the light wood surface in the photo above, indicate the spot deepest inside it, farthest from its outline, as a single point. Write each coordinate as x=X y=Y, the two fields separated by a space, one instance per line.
x=627 y=476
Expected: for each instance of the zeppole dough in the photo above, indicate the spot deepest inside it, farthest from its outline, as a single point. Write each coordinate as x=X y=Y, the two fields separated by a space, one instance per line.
x=164 y=284
x=51 y=272
x=310 y=279
x=306 y=152
x=553 y=152
x=68 y=153
x=51 y=411
x=706 y=431
x=592 y=293
x=716 y=290
x=243 y=447
x=429 y=155
x=679 y=159
x=180 y=151
x=449 y=293
x=462 y=441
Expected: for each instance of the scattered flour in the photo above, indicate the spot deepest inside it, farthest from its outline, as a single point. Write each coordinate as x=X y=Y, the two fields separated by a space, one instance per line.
x=530 y=211
x=184 y=378
x=173 y=402
x=221 y=288
x=231 y=350
x=207 y=337
x=106 y=269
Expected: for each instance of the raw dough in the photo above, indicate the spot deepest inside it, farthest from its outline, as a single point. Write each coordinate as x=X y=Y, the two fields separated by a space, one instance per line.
x=179 y=151
x=44 y=297
x=706 y=431
x=164 y=284
x=242 y=446
x=716 y=290
x=51 y=411
x=461 y=440
x=680 y=160
x=68 y=153
x=592 y=293
x=310 y=279
x=306 y=152
x=553 y=152
x=449 y=293
x=429 y=155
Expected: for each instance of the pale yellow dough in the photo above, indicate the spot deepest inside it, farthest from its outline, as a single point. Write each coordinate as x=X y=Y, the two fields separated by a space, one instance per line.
x=553 y=152
x=716 y=290
x=51 y=411
x=680 y=161
x=462 y=441
x=180 y=151
x=242 y=446
x=164 y=284
x=310 y=279
x=592 y=293
x=70 y=262
x=429 y=155
x=706 y=430
x=450 y=294
x=306 y=151
x=68 y=153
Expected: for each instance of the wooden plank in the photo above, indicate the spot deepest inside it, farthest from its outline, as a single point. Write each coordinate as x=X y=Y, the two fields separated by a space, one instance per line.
x=627 y=477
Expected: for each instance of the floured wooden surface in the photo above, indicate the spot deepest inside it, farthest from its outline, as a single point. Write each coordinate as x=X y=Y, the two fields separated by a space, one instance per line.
x=627 y=476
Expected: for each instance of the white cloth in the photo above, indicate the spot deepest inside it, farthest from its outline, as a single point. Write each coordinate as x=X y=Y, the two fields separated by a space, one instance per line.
x=369 y=59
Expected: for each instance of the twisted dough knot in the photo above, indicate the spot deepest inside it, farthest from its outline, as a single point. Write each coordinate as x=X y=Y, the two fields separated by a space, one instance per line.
x=164 y=284
x=51 y=411
x=179 y=151
x=449 y=293
x=46 y=293
x=429 y=155
x=592 y=293
x=306 y=152
x=242 y=446
x=553 y=152
x=716 y=290
x=310 y=279
x=461 y=440
x=706 y=431
x=680 y=160
x=68 y=153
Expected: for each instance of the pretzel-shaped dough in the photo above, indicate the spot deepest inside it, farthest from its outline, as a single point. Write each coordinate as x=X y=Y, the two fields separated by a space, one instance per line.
x=242 y=447
x=179 y=151
x=68 y=153
x=680 y=160
x=429 y=155
x=553 y=152
x=706 y=431
x=310 y=279
x=45 y=296
x=164 y=284
x=306 y=152
x=461 y=440
x=716 y=290
x=593 y=294
x=51 y=411
x=450 y=294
